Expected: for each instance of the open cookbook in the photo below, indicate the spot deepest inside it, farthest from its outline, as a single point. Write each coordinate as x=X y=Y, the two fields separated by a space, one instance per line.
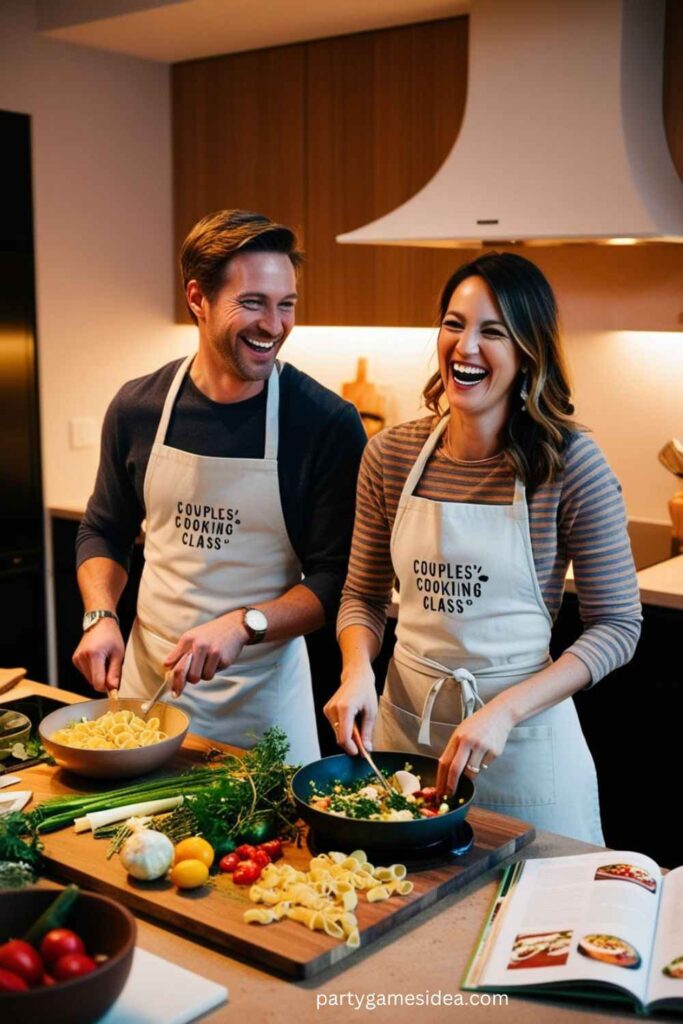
x=599 y=925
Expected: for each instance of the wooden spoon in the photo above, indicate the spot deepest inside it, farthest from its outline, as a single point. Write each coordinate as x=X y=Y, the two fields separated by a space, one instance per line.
x=361 y=746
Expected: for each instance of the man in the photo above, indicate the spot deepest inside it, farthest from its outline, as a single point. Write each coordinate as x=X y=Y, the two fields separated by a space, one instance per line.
x=244 y=472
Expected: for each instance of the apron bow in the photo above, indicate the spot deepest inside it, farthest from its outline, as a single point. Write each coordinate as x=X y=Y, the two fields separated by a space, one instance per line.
x=469 y=700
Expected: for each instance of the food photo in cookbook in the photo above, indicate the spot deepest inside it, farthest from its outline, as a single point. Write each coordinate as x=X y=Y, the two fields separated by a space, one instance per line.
x=674 y=969
x=627 y=873
x=610 y=949
x=544 y=949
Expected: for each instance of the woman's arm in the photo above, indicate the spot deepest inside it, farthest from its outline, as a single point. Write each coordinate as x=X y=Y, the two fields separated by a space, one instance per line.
x=362 y=612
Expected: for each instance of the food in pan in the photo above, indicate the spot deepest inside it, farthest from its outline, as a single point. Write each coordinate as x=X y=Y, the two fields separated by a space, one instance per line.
x=674 y=969
x=115 y=730
x=610 y=950
x=628 y=873
x=365 y=798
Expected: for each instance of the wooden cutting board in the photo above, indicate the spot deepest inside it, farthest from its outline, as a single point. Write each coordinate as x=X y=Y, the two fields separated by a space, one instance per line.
x=214 y=913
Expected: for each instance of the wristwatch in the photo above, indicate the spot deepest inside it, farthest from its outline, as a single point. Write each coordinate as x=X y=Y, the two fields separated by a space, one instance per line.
x=91 y=618
x=255 y=624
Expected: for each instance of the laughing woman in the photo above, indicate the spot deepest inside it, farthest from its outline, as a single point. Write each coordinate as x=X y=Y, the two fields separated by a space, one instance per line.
x=477 y=511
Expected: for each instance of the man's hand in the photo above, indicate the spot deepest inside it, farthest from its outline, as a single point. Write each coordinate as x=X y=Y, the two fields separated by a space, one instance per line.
x=214 y=646
x=99 y=655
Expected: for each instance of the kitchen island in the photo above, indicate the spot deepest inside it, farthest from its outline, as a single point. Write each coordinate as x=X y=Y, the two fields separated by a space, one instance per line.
x=427 y=954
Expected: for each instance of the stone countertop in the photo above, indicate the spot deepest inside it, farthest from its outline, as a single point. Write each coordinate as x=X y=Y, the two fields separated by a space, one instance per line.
x=427 y=954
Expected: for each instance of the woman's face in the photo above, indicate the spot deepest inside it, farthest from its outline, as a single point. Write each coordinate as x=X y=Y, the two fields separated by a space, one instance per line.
x=478 y=360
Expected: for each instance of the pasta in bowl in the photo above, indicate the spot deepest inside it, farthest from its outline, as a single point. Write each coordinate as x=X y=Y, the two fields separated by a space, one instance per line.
x=90 y=739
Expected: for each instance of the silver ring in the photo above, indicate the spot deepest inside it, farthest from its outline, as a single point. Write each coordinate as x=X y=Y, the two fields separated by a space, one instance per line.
x=472 y=768
x=483 y=765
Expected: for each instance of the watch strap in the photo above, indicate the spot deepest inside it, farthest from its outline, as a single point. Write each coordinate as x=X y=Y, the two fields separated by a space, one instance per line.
x=93 y=616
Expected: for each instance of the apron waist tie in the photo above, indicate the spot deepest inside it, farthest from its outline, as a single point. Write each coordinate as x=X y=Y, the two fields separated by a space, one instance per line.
x=469 y=700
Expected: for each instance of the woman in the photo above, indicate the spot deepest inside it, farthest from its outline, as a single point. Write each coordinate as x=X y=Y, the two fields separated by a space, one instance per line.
x=478 y=513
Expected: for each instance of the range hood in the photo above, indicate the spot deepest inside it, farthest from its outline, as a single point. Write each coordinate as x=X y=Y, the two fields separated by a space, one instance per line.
x=563 y=136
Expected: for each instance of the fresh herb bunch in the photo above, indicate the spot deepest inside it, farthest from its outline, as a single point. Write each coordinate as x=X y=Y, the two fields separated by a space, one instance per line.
x=251 y=798
x=13 y=847
x=16 y=874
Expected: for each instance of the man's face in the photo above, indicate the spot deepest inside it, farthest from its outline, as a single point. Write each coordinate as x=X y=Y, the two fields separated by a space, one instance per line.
x=248 y=320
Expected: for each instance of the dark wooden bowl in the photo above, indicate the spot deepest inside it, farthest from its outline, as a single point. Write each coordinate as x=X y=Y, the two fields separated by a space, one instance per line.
x=105 y=927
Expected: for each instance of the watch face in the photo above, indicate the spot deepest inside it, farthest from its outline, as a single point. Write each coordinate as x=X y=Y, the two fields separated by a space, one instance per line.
x=256 y=620
x=89 y=619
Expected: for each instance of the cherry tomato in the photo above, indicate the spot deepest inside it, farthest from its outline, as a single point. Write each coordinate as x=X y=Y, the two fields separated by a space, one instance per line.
x=73 y=965
x=426 y=812
x=189 y=874
x=21 y=958
x=58 y=942
x=427 y=792
x=245 y=851
x=229 y=862
x=11 y=982
x=273 y=848
x=246 y=872
x=261 y=857
x=194 y=848
x=47 y=979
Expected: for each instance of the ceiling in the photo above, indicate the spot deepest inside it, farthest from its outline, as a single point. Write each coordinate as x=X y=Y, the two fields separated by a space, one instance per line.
x=178 y=30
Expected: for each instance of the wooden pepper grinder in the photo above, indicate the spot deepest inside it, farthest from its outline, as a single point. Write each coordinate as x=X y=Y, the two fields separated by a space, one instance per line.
x=364 y=395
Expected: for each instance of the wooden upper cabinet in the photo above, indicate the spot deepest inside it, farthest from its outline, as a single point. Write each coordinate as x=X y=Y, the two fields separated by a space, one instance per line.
x=383 y=111
x=238 y=140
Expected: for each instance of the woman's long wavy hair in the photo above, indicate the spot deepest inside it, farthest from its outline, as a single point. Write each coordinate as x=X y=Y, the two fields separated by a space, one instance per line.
x=535 y=436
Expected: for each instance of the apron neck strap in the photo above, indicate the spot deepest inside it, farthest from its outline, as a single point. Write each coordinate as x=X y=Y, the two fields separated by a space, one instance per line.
x=272 y=408
x=171 y=396
x=272 y=415
x=421 y=461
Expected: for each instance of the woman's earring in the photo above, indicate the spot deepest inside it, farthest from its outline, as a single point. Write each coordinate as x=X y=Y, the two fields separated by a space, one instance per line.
x=524 y=389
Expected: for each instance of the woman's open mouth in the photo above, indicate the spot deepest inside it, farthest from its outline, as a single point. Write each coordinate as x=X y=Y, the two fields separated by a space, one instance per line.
x=467 y=375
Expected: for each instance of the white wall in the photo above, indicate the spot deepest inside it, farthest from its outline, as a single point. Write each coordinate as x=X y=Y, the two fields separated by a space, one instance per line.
x=101 y=140
x=628 y=388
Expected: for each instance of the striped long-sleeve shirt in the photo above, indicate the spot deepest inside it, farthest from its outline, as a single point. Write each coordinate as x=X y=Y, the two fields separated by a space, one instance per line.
x=578 y=518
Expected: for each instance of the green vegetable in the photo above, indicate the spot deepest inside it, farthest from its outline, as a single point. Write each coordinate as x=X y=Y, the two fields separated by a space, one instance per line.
x=54 y=916
x=12 y=847
x=15 y=874
x=224 y=846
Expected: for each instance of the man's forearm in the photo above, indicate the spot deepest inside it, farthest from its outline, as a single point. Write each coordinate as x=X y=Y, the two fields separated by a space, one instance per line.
x=297 y=612
x=101 y=582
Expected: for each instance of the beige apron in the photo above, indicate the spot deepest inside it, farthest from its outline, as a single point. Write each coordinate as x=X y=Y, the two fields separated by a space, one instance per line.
x=216 y=540
x=472 y=622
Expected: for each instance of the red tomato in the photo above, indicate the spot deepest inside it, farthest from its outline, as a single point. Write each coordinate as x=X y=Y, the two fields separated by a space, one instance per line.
x=427 y=793
x=58 y=942
x=427 y=813
x=21 y=958
x=47 y=979
x=11 y=982
x=73 y=965
x=246 y=872
x=273 y=848
x=261 y=857
x=245 y=851
x=229 y=862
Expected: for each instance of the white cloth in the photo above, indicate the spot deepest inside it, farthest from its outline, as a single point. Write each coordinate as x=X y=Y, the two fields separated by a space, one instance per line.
x=216 y=540
x=472 y=622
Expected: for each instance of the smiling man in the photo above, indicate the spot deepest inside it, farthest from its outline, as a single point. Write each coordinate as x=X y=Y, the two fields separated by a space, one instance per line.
x=244 y=472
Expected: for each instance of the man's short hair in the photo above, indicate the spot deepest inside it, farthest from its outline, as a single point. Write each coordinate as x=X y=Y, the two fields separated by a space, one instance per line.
x=217 y=238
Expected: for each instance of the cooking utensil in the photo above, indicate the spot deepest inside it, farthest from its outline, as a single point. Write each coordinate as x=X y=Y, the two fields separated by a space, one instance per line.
x=9 y=677
x=671 y=457
x=147 y=706
x=30 y=762
x=363 y=752
x=113 y=764
x=351 y=833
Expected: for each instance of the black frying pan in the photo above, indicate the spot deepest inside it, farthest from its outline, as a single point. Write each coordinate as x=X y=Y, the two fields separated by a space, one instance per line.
x=353 y=833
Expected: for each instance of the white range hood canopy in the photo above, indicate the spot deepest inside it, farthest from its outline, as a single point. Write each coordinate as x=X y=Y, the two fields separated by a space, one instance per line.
x=563 y=136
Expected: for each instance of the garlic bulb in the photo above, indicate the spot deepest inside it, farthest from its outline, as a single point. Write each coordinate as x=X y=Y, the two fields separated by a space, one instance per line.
x=146 y=854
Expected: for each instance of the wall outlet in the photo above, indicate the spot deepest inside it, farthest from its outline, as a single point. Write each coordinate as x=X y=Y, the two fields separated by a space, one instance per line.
x=82 y=432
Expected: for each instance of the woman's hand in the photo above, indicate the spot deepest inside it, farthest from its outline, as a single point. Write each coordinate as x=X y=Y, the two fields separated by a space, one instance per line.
x=355 y=697
x=479 y=738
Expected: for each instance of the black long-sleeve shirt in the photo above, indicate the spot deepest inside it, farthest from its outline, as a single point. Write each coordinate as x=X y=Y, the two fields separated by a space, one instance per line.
x=321 y=441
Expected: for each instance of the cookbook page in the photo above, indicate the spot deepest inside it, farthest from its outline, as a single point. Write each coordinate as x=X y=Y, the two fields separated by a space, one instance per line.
x=666 y=968
x=583 y=918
